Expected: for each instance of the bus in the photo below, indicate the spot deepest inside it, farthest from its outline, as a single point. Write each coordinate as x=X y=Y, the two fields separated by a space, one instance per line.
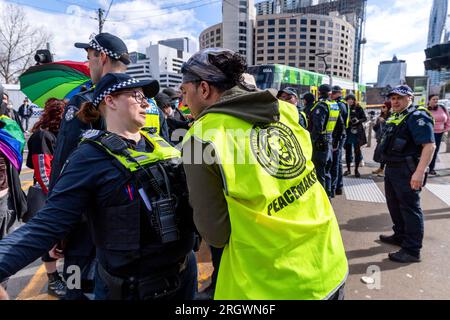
x=277 y=76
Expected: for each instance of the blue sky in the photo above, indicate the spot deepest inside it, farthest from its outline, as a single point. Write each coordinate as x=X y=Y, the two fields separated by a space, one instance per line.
x=393 y=27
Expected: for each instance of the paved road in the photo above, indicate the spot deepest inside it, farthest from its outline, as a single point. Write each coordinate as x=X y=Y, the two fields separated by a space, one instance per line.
x=361 y=222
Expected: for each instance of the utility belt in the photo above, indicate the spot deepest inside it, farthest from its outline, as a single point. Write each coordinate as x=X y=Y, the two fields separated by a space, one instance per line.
x=323 y=142
x=161 y=284
x=411 y=163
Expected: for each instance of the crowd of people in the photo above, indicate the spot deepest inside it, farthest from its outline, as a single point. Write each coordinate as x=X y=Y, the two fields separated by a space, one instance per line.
x=133 y=185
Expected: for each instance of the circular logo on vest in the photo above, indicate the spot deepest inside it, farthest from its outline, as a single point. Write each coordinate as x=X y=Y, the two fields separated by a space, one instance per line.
x=277 y=150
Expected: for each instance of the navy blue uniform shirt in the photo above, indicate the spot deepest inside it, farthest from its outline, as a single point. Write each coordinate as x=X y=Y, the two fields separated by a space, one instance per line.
x=89 y=180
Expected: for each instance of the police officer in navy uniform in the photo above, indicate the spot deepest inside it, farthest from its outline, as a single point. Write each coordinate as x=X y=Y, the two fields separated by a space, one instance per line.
x=105 y=53
x=290 y=95
x=339 y=136
x=407 y=147
x=323 y=119
x=141 y=223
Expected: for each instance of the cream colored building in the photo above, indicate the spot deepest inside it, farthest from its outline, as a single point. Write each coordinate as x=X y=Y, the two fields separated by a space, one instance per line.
x=296 y=40
x=212 y=37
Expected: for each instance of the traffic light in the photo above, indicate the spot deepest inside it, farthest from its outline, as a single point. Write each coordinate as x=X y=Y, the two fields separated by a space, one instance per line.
x=43 y=56
x=438 y=57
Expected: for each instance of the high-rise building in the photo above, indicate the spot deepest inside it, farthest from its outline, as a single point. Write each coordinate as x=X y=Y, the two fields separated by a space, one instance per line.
x=182 y=44
x=162 y=63
x=300 y=40
x=238 y=18
x=212 y=37
x=437 y=35
x=391 y=73
x=438 y=19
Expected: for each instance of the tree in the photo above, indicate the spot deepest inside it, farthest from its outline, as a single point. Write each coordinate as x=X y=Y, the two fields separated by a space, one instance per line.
x=18 y=42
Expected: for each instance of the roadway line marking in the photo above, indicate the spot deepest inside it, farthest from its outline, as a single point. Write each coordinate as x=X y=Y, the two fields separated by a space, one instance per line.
x=365 y=190
x=35 y=285
x=27 y=184
x=442 y=191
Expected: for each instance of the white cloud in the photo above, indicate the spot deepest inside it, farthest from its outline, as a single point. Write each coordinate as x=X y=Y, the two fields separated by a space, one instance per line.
x=137 y=22
x=396 y=28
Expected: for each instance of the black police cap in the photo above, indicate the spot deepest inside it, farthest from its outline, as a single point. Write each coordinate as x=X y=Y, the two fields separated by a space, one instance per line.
x=325 y=88
x=113 y=82
x=111 y=45
x=336 y=89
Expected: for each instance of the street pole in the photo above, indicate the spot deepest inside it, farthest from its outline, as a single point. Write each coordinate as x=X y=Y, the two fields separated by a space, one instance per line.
x=100 y=20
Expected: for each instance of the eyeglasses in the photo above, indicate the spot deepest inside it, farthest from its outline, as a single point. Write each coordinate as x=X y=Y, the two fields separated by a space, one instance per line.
x=137 y=95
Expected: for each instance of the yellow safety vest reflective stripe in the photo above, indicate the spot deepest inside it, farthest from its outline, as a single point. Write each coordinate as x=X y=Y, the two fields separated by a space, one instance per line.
x=285 y=241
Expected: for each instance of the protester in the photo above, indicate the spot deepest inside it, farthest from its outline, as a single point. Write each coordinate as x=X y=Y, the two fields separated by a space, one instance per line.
x=25 y=113
x=7 y=109
x=378 y=128
x=356 y=135
x=290 y=95
x=254 y=189
x=41 y=146
x=441 y=126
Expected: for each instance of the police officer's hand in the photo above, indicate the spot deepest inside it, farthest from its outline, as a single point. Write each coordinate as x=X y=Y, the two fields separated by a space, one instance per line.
x=417 y=180
x=3 y=294
x=56 y=253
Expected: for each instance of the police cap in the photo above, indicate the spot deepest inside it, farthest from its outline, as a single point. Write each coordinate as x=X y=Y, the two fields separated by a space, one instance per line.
x=111 y=45
x=336 y=89
x=325 y=88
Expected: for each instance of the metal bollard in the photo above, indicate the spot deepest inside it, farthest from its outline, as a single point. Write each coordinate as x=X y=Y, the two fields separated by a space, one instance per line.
x=447 y=137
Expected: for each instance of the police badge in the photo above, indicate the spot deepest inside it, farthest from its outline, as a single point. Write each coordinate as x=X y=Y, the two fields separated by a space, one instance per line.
x=70 y=114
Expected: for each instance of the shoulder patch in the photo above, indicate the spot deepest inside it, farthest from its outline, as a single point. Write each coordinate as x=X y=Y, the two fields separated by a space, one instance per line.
x=421 y=122
x=89 y=134
x=70 y=114
x=417 y=113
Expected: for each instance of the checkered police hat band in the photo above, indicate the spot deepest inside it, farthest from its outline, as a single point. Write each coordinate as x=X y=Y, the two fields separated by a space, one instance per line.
x=96 y=46
x=114 y=88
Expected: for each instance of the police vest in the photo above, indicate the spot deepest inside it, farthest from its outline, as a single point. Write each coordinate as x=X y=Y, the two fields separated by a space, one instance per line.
x=347 y=108
x=118 y=227
x=285 y=241
x=305 y=118
x=333 y=114
x=393 y=143
x=152 y=117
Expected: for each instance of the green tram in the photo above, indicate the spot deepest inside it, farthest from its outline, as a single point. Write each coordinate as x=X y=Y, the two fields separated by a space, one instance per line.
x=279 y=76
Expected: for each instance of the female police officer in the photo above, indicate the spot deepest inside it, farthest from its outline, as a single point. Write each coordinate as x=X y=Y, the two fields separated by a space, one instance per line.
x=142 y=222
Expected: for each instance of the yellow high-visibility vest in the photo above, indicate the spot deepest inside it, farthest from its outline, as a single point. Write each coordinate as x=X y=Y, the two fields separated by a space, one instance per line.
x=333 y=114
x=285 y=241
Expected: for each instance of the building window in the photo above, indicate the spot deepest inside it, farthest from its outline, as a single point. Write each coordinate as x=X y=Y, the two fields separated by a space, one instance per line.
x=280 y=57
x=243 y=10
x=270 y=58
x=312 y=44
x=292 y=36
x=271 y=22
x=282 y=29
x=242 y=24
x=282 y=43
x=304 y=21
x=271 y=44
x=302 y=44
x=281 y=36
x=302 y=58
x=293 y=21
x=312 y=65
x=292 y=51
x=271 y=51
x=260 y=59
x=281 y=50
x=312 y=37
x=271 y=30
x=330 y=24
x=322 y=38
x=292 y=44
x=303 y=30
x=260 y=52
x=323 y=31
x=314 y=22
x=330 y=39
x=313 y=30
x=271 y=37
x=242 y=45
x=303 y=36
x=282 y=21
x=218 y=31
x=260 y=30
x=302 y=50
x=260 y=23
x=260 y=38
x=292 y=58
x=260 y=45
x=322 y=23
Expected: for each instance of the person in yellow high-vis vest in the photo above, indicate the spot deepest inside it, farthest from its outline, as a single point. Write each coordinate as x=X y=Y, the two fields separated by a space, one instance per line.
x=254 y=189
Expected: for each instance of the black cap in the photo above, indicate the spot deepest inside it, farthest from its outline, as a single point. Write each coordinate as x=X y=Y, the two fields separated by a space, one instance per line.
x=290 y=91
x=336 y=89
x=113 y=82
x=111 y=45
x=163 y=100
x=324 y=88
x=172 y=93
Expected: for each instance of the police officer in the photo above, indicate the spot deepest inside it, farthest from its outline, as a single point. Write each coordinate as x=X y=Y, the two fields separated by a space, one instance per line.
x=272 y=191
x=323 y=119
x=407 y=147
x=142 y=223
x=105 y=53
x=339 y=136
x=290 y=95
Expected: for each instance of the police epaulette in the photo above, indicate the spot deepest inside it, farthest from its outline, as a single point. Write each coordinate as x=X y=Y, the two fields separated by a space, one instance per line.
x=92 y=134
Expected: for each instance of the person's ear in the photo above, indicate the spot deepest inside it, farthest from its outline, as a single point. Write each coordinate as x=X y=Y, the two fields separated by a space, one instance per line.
x=110 y=102
x=103 y=58
x=205 y=89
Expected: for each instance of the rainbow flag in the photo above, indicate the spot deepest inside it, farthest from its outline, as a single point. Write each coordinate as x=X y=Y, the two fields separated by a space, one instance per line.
x=183 y=108
x=12 y=141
